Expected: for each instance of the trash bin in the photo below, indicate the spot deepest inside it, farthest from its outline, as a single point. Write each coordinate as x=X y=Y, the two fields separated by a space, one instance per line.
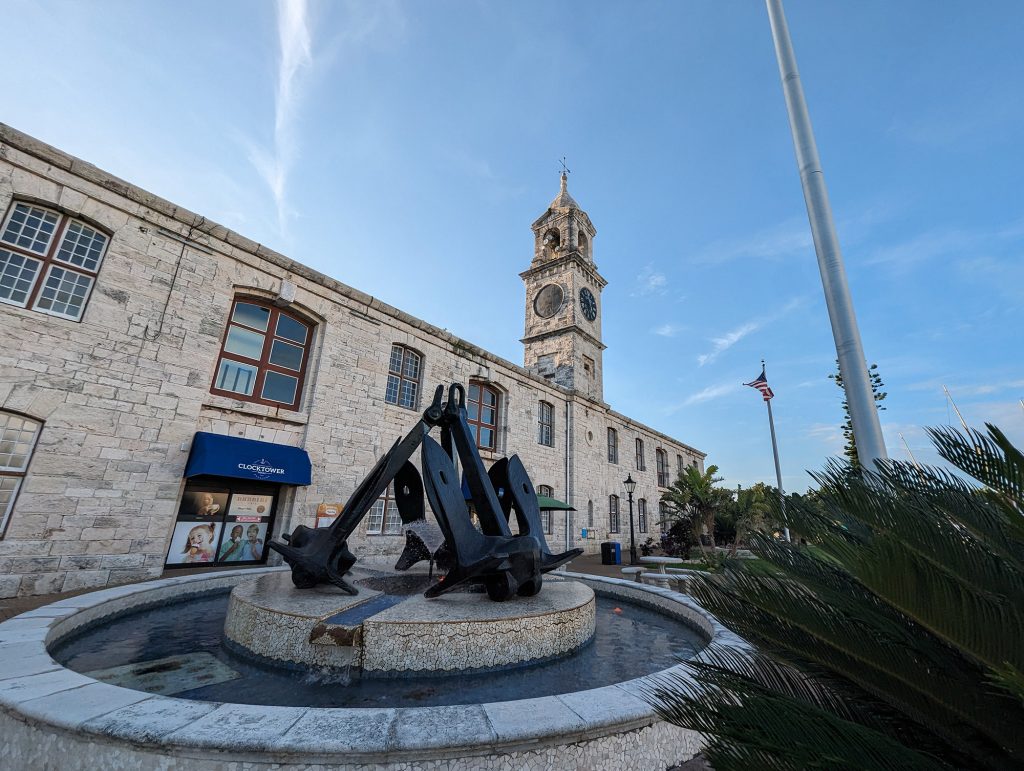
x=611 y=553
x=608 y=553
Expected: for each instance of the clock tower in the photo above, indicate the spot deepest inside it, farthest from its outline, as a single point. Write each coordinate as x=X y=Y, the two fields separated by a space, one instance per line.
x=563 y=299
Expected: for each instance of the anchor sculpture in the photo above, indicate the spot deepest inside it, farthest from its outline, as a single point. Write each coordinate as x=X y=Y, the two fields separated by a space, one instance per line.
x=492 y=556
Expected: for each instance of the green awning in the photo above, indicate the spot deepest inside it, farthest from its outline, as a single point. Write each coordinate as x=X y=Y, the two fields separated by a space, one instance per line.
x=547 y=504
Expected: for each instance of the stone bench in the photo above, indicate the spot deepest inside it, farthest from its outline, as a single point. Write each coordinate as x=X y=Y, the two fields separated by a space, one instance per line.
x=637 y=573
x=657 y=579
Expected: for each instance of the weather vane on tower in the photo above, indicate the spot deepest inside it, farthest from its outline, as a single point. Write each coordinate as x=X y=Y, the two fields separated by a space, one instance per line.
x=565 y=170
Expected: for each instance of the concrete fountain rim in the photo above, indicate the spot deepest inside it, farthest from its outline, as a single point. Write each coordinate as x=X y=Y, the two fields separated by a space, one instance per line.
x=35 y=689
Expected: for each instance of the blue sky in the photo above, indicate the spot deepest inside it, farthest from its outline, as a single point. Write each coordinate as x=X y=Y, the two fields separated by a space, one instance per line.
x=405 y=148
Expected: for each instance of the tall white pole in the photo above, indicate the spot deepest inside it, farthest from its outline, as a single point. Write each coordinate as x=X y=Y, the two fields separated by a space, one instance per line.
x=867 y=430
x=778 y=469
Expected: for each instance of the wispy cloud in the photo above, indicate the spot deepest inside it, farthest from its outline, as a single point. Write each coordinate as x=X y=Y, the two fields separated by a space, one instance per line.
x=706 y=395
x=295 y=59
x=790 y=237
x=668 y=330
x=723 y=343
x=650 y=282
x=727 y=341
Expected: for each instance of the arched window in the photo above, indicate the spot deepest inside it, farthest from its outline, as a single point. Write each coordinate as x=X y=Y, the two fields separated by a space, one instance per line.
x=546 y=424
x=482 y=405
x=263 y=355
x=641 y=515
x=680 y=468
x=663 y=515
x=662 y=458
x=613 y=513
x=404 y=377
x=590 y=513
x=584 y=244
x=383 y=517
x=641 y=464
x=613 y=446
x=48 y=261
x=18 y=436
x=545 y=514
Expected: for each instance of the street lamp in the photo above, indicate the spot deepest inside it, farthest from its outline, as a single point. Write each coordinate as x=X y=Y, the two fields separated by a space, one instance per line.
x=630 y=485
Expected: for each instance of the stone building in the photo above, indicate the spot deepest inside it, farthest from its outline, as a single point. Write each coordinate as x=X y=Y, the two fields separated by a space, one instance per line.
x=173 y=394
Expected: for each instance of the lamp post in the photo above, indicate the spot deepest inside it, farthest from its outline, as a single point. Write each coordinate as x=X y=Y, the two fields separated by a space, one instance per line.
x=630 y=485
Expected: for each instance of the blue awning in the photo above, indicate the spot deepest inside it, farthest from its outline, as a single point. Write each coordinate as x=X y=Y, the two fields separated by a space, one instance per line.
x=232 y=456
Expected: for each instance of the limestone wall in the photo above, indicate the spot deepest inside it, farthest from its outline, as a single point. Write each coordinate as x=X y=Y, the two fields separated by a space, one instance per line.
x=122 y=392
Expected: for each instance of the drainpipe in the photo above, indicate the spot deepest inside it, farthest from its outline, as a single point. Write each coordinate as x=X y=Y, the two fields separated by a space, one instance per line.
x=568 y=468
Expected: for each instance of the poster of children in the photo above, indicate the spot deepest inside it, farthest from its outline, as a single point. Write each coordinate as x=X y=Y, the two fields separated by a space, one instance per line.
x=243 y=542
x=193 y=543
x=203 y=505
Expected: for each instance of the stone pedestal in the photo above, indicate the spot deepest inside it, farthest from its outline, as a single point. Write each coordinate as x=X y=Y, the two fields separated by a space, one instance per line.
x=381 y=633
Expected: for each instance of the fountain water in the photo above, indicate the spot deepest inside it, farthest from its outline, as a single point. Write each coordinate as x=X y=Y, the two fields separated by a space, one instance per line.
x=336 y=665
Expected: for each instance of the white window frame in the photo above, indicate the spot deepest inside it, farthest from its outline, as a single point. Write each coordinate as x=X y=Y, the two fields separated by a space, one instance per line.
x=16 y=473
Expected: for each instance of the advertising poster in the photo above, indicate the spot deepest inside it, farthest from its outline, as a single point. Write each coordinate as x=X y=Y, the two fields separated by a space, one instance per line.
x=246 y=507
x=203 y=505
x=193 y=543
x=243 y=542
x=326 y=513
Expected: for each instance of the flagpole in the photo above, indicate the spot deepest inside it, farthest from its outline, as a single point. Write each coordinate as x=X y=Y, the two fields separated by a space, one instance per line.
x=778 y=468
x=867 y=430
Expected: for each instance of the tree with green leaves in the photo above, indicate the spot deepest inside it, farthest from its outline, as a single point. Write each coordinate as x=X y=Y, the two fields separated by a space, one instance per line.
x=895 y=643
x=753 y=512
x=850 y=449
x=697 y=498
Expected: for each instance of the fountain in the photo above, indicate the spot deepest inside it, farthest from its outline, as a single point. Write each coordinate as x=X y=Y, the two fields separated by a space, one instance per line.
x=494 y=662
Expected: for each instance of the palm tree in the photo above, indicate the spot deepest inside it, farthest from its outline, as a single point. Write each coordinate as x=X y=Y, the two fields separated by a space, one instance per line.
x=752 y=512
x=695 y=497
x=895 y=642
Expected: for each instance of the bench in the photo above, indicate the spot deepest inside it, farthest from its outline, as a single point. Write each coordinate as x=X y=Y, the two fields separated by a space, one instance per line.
x=637 y=573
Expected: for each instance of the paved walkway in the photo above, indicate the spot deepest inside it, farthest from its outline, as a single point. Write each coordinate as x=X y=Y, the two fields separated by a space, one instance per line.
x=588 y=563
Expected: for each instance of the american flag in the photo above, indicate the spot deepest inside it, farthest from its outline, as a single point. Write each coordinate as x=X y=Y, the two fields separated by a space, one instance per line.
x=761 y=384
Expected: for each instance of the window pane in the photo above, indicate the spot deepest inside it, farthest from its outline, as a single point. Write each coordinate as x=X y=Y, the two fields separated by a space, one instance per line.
x=17 y=274
x=474 y=392
x=393 y=523
x=490 y=397
x=396 y=359
x=285 y=354
x=488 y=416
x=8 y=489
x=30 y=228
x=375 y=517
x=291 y=329
x=473 y=411
x=408 y=398
x=280 y=388
x=244 y=342
x=487 y=438
x=391 y=396
x=412 y=365
x=251 y=315
x=64 y=293
x=17 y=437
x=82 y=246
x=235 y=377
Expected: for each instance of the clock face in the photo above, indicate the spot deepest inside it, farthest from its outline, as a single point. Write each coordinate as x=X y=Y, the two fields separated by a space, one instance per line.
x=588 y=304
x=548 y=301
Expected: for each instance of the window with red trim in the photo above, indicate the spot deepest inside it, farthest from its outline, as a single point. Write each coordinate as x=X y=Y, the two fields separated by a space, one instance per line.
x=263 y=355
x=482 y=404
x=48 y=261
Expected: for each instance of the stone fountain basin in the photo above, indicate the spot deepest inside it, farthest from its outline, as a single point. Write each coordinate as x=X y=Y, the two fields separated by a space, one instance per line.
x=50 y=714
